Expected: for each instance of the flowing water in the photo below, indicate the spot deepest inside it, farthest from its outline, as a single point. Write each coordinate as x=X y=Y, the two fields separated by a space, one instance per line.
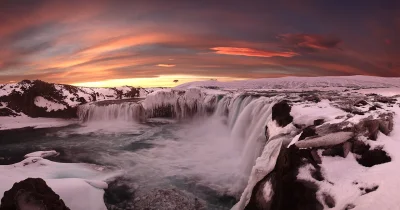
x=208 y=156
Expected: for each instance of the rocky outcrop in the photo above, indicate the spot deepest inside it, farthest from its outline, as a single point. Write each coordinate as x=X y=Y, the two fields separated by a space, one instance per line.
x=31 y=193
x=281 y=113
x=23 y=98
x=283 y=186
x=25 y=101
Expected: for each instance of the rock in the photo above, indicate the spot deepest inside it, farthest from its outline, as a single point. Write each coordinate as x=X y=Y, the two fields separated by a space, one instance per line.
x=327 y=140
x=346 y=148
x=336 y=150
x=361 y=103
x=370 y=189
x=315 y=156
x=307 y=132
x=285 y=186
x=166 y=199
x=386 y=123
x=29 y=194
x=386 y=100
x=373 y=157
x=6 y=112
x=360 y=147
x=281 y=113
x=349 y=206
x=316 y=174
x=319 y=122
x=329 y=200
x=372 y=127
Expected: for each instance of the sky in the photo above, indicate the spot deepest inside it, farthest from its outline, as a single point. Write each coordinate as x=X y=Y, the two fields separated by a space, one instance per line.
x=154 y=42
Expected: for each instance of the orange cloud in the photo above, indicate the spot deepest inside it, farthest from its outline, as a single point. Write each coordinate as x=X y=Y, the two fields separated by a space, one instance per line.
x=251 y=52
x=166 y=65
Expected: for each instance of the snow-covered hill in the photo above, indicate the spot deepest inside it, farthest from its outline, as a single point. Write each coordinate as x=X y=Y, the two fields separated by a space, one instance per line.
x=36 y=98
x=330 y=82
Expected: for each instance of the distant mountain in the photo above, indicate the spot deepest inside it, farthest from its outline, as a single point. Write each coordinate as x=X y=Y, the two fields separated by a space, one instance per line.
x=36 y=98
x=301 y=83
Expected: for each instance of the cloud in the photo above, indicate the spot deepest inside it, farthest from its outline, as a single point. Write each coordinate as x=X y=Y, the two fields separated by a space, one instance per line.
x=311 y=42
x=251 y=52
x=166 y=65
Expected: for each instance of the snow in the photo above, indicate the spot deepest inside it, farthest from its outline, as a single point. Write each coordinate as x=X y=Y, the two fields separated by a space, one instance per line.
x=349 y=177
x=81 y=186
x=305 y=114
x=42 y=154
x=302 y=83
x=49 y=105
x=7 y=123
x=381 y=91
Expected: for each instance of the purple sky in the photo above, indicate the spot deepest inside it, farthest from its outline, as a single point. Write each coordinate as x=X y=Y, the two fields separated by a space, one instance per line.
x=80 y=41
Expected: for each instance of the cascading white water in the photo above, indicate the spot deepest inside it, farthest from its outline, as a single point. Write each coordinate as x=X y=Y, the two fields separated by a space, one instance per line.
x=128 y=111
x=245 y=118
x=179 y=104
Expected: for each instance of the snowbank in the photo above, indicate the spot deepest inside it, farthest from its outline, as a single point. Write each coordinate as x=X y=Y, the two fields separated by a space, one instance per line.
x=81 y=186
x=7 y=123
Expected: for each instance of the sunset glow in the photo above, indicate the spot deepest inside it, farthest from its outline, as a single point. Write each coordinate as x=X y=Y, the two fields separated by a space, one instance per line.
x=145 y=43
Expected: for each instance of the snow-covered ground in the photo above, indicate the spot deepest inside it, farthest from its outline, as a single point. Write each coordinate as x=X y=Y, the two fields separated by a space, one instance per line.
x=241 y=112
x=302 y=83
x=81 y=186
x=7 y=123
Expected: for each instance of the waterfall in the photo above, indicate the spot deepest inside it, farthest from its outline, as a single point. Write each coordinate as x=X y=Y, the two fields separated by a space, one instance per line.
x=180 y=104
x=246 y=116
x=128 y=111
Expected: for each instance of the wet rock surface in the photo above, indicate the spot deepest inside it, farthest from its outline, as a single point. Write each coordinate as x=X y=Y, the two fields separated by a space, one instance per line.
x=31 y=194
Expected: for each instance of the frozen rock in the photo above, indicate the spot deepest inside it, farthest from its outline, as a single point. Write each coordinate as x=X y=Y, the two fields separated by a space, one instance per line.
x=327 y=140
x=42 y=154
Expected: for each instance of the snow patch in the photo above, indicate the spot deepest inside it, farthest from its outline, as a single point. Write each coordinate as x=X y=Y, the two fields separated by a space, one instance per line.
x=49 y=105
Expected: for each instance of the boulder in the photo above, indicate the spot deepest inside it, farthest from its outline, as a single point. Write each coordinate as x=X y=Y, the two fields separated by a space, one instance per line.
x=31 y=193
x=281 y=113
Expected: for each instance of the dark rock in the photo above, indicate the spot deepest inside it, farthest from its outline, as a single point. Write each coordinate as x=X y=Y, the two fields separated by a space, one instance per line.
x=370 y=189
x=31 y=193
x=307 y=132
x=372 y=127
x=315 y=156
x=360 y=147
x=316 y=174
x=336 y=150
x=6 y=112
x=281 y=113
x=386 y=100
x=166 y=199
x=329 y=200
x=319 y=122
x=361 y=103
x=25 y=102
x=386 y=123
x=349 y=206
x=374 y=107
x=286 y=187
x=312 y=98
x=373 y=157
